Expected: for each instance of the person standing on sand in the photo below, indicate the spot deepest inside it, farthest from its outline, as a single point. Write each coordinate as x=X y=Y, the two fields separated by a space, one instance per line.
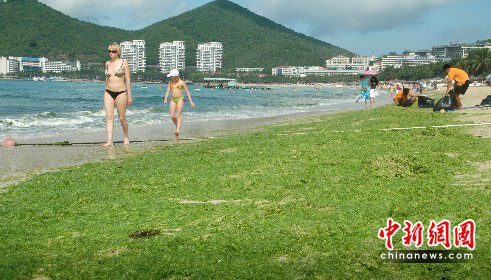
x=365 y=90
x=373 y=90
x=177 y=99
x=462 y=82
x=118 y=92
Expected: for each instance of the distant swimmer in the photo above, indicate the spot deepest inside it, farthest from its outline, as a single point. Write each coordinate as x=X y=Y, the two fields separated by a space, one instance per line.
x=177 y=98
x=462 y=82
x=365 y=90
x=118 y=92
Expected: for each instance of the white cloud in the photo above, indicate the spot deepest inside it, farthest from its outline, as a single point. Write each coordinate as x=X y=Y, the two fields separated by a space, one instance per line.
x=331 y=17
x=128 y=14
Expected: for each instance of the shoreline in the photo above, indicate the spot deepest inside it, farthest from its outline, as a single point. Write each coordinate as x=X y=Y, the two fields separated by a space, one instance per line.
x=20 y=165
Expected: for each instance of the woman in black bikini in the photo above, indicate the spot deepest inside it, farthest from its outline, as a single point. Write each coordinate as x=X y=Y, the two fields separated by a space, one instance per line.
x=118 y=92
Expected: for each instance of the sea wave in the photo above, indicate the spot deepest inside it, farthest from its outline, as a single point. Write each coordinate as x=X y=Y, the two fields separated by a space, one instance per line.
x=51 y=122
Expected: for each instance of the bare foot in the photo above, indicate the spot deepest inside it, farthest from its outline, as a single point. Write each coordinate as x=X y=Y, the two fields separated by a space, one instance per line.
x=176 y=133
x=108 y=144
x=126 y=142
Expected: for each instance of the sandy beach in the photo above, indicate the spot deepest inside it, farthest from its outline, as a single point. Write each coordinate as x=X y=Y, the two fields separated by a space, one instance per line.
x=23 y=162
x=473 y=97
x=35 y=156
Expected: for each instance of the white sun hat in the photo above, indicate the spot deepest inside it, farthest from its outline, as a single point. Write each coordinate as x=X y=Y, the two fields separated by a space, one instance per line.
x=173 y=73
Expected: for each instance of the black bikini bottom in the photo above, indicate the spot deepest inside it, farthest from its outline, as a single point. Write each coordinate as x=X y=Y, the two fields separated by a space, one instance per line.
x=114 y=94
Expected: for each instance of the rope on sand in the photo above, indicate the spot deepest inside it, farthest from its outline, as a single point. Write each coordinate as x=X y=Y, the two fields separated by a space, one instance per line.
x=68 y=143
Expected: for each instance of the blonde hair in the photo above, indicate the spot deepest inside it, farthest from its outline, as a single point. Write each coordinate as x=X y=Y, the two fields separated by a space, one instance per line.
x=115 y=46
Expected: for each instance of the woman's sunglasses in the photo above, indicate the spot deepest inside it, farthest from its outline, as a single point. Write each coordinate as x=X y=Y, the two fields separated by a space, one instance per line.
x=112 y=51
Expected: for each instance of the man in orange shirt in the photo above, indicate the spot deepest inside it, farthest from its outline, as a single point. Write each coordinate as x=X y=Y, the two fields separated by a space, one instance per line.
x=462 y=82
x=404 y=98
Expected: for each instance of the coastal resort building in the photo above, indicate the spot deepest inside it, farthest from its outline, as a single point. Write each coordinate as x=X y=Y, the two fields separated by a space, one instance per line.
x=358 y=63
x=249 y=70
x=209 y=57
x=134 y=53
x=457 y=50
x=410 y=59
x=172 y=55
x=36 y=64
x=32 y=64
x=61 y=66
x=303 y=71
x=8 y=65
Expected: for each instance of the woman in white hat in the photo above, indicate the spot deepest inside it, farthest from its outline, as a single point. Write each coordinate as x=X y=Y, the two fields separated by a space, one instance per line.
x=177 y=99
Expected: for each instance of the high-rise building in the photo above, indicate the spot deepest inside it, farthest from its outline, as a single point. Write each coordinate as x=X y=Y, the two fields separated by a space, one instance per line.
x=172 y=56
x=209 y=57
x=134 y=53
x=9 y=65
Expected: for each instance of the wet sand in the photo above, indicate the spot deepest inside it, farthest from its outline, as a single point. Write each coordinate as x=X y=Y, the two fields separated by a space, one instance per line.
x=36 y=155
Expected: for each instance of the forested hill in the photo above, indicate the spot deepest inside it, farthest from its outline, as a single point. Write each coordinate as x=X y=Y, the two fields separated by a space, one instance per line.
x=32 y=28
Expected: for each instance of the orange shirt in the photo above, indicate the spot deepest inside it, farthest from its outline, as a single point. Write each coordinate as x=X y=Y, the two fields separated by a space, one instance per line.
x=398 y=97
x=458 y=75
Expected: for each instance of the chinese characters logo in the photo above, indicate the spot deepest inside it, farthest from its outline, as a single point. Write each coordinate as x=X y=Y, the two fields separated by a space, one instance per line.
x=437 y=234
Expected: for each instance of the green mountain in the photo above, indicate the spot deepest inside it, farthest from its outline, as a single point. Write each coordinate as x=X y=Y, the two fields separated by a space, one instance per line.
x=32 y=28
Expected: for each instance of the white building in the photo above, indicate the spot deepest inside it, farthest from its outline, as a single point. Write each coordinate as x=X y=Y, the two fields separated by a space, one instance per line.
x=411 y=59
x=457 y=50
x=35 y=64
x=302 y=71
x=172 y=56
x=247 y=70
x=288 y=71
x=209 y=57
x=338 y=62
x=358 y=63
x=469 y=48
x=31 y=64
x=134 y=53
x=8 y=65
x=61 y=66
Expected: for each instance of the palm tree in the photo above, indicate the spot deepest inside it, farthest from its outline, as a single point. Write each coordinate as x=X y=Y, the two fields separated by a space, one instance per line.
x=478 y=62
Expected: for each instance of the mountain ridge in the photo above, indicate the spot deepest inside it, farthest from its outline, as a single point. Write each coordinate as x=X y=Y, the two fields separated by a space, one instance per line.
x=250 y=40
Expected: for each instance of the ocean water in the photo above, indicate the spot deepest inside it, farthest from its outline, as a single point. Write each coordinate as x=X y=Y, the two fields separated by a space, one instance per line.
x=36 y=109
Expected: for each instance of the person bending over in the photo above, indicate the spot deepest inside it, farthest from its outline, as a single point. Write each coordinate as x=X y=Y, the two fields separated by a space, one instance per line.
x=462 y=82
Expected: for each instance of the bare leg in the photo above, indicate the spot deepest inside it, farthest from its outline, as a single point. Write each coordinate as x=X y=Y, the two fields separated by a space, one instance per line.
x=109 y=108
x=173 y=107
x=372 y=101
x=457 y=100
x=121 y=104
x=180 y=105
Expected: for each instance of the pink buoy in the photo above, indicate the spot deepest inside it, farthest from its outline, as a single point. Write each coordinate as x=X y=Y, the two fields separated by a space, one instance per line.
x=9 y=142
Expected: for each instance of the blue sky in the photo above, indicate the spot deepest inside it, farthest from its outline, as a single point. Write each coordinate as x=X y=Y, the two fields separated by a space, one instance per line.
x=372 y=27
